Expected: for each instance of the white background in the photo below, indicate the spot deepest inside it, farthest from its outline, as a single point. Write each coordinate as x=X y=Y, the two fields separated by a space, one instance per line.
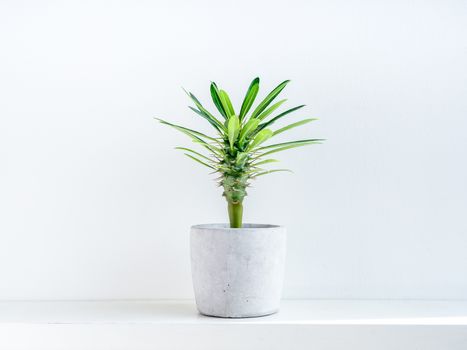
x=95 y=202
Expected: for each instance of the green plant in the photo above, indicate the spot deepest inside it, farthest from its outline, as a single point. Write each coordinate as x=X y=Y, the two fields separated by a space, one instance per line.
x=237 y=151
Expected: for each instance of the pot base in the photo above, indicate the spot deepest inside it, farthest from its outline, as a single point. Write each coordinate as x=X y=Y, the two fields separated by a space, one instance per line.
x=269 y=313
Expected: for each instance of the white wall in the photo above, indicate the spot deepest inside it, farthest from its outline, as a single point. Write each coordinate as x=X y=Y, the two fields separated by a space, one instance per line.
x=95 y=203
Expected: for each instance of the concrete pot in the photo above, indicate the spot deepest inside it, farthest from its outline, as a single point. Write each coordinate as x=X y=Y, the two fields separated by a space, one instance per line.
x=238 y=272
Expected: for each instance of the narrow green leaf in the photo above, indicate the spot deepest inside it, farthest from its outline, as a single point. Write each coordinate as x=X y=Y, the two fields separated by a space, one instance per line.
x=194 y=152
x=199 y=161
x=217 y=151
x=266 y=161
x=254 y=170
x=233 y=129
x=307 y=141
x=241 y=158
x=261 y=137
x=226 y=103
x=247 y=129
x=271 y=171
x=212 y=122
x=293 y=125
x=271 y=109
x=216 y=99
x=269 y=98
x=275 y=119
x=196 y=139
x=204 y=112
x=249 y=98
x=187 y=131
x=280 y=149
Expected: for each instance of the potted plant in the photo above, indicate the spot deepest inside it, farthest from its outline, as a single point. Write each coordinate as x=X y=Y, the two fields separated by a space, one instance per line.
x=238 y=268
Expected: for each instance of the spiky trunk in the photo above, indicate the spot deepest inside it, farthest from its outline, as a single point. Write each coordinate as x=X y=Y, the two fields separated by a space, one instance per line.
x=234 y=192
x=235 y=180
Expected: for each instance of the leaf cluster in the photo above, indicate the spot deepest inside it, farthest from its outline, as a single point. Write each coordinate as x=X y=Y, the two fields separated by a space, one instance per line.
x=238 y=150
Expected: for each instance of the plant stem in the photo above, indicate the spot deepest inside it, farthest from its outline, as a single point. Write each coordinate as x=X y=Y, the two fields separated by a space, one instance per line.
x=235 y=214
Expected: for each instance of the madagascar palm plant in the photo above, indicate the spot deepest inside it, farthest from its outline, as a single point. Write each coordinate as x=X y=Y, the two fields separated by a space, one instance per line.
x=237 y=152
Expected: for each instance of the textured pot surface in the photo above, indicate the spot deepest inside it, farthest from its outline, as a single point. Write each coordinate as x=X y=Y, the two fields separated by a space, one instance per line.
x=238 y=272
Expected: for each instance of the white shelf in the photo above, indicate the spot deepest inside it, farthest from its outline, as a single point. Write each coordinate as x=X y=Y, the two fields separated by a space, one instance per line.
x=301 y=324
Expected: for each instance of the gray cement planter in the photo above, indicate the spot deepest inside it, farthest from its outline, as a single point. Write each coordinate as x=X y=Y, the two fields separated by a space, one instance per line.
x=238 y=272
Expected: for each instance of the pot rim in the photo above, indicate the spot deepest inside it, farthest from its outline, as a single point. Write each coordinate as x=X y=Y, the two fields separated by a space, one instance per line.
x=226 y=227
